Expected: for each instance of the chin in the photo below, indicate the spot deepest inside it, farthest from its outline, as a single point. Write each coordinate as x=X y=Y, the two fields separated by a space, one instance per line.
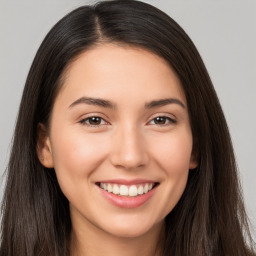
x=132 y=229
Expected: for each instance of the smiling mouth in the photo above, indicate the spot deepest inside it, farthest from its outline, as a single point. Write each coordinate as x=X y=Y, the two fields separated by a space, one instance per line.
x=127 y=190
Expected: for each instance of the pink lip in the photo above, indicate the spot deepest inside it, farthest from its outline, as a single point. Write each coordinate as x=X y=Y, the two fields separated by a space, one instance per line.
x=127 y=182
x=126 y=201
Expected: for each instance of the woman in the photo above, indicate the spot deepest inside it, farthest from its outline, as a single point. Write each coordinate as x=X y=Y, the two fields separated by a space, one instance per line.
x=121 y=146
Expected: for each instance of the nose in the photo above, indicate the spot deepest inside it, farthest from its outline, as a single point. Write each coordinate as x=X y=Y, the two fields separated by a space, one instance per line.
x=128 y=149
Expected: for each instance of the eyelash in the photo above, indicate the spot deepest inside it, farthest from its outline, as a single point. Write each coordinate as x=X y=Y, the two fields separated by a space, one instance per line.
x=166 y=118
x=88 y=119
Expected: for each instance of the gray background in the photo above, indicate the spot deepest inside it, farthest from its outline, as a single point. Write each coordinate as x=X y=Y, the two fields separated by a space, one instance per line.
x=223 y=31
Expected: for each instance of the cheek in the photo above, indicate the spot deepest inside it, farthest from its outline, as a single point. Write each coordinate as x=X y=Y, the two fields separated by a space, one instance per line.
x=76 y=155
x=172 y=155
x=173 y=152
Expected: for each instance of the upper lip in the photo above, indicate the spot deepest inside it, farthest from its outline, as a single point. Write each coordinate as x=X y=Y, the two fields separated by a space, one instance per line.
x=127 y=182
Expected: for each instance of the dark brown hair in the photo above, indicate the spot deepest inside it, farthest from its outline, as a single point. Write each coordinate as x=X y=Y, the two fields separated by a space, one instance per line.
x=209 y=219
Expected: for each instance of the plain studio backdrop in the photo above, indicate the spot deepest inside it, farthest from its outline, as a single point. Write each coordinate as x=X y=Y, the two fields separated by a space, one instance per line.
x=223 y=31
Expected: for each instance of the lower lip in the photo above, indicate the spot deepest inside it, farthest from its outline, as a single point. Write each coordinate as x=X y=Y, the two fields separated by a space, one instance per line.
x=127 y=201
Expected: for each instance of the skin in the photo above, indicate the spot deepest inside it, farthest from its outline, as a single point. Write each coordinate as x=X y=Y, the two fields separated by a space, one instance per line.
x=128 y=144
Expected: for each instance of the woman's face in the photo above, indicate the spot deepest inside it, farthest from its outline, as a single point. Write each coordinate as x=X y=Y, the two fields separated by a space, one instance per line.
x=119 y=140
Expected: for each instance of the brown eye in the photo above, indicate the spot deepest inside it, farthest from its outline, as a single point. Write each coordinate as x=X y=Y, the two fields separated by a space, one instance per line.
x=162 y=120
x=93 y=121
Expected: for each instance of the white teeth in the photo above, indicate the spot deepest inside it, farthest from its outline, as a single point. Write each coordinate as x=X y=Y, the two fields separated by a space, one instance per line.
x=124 y=190
x=133 y=190
x=146 y=188
x=140 y=190
x=109 y=188
x=115 y=190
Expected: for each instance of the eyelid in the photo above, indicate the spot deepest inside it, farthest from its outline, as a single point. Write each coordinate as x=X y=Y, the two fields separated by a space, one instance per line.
x=91 y=115
x=171 y=118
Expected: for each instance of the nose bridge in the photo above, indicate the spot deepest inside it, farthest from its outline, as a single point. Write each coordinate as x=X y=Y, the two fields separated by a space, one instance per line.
x=128 y=149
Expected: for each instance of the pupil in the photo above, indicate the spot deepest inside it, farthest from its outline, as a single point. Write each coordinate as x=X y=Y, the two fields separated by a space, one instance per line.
x=160 y=120
x=94 y=120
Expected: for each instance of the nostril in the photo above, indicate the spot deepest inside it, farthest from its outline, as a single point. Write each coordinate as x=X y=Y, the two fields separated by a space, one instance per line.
x=129 y=151
x=129 y=161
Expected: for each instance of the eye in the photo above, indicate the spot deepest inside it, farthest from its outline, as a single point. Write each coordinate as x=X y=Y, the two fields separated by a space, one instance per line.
x=162 y=120
x=93 y=121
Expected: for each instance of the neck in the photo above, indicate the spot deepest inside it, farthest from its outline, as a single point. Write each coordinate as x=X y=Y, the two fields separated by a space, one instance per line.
x=93 y=241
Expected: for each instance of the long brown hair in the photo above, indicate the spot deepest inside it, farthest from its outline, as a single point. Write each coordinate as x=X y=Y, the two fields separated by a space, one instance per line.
x=209 y=219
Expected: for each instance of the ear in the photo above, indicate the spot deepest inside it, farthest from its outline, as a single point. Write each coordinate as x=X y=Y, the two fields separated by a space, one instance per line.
x=194 y=159
x=44 y=149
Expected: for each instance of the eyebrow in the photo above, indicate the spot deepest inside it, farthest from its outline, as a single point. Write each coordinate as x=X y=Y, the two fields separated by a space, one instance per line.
x=108 y=104
x=93 y=101
x=163 y=102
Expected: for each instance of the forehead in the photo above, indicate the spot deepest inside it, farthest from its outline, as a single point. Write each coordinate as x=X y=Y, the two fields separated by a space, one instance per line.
x=114 y=71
